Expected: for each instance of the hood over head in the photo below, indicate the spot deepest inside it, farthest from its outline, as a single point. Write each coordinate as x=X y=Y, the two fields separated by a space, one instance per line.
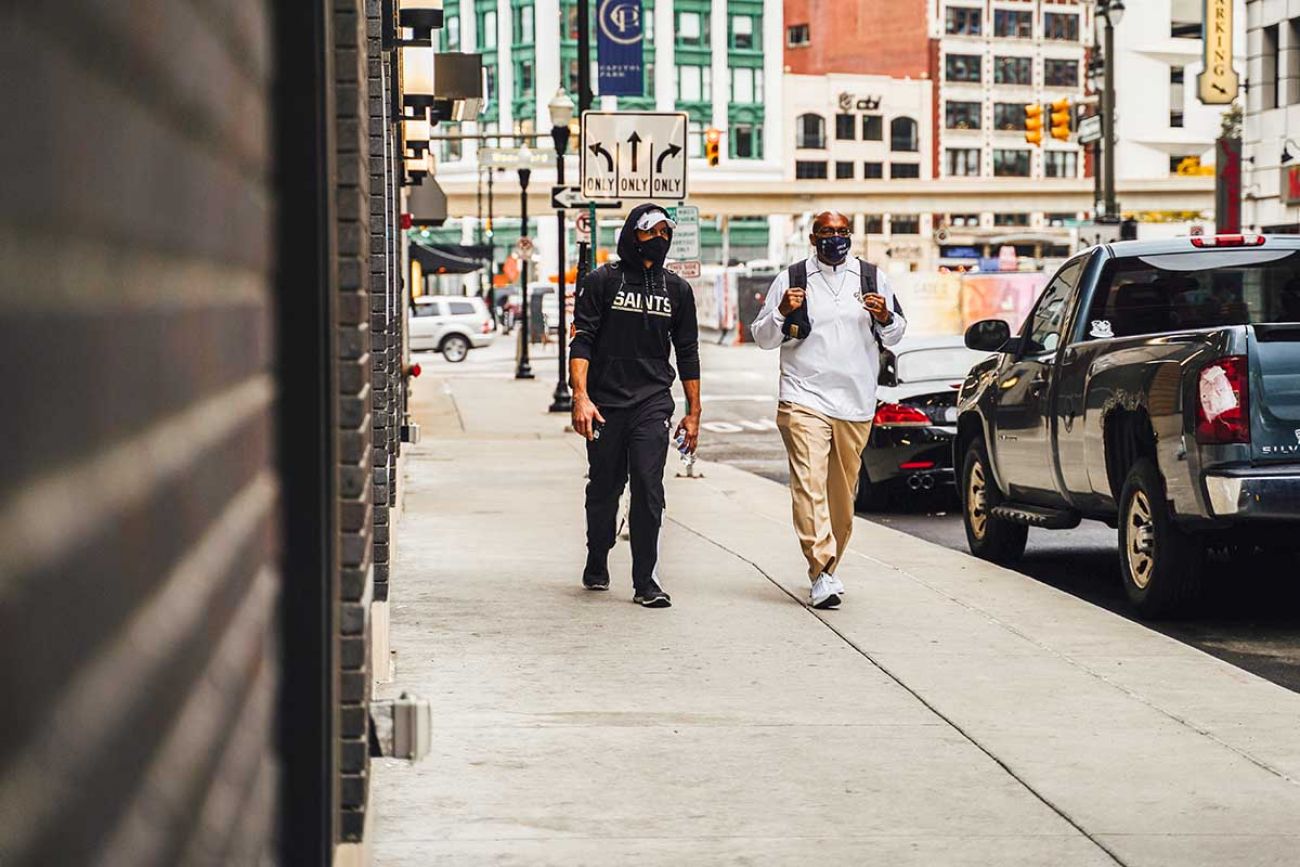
x=627 y=243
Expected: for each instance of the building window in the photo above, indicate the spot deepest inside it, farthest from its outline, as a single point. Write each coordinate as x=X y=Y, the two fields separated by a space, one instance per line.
x=1013 y=24
x=742 y=32
x=1272 y=71
x=1010 y=163
x=450 y=37
x=904 y=170
x=571 y=17
x=962 y=67
x=489 y=85
x=905 y=224
x=846 y=126
x=904 y=135
x=1176 y=96
x=746 y=84
x=1184 y=164
x=1062 y=26
x=873 y=171
x=1061 y=164
x=1061 y=73
x=843 y=171
x=523 y=25
x=963 y=162
x=695 y=139
x=694 y=83
x=873 y=127
x=1011 y=220
x=873 y=224
x=1008 y=116
x=487 y=30
x=807 y=170
x=745 y=142
x=960 y=21
x=810 y=132
x=1013 y=70
x=962 y=115
x=964 y=221
x=524 y=78
x=1185 y=19
x=692 y=30
x=1057 y=221
x=796 y=35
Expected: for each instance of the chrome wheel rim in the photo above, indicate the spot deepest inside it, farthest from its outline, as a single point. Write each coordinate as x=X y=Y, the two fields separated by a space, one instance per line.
x=455 y=350
x=1141 y=540
x=976 y=502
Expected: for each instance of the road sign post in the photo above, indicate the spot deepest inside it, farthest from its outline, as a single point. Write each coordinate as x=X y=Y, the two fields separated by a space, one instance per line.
x=633 y=155
x=1090 y=129
x=686 y=237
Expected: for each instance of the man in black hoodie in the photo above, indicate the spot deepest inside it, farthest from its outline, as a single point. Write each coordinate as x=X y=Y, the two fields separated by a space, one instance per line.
x=627 y=314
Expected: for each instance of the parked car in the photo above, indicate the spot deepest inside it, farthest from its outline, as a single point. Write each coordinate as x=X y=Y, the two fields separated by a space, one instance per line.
x=1156 y=387
x=910 y=447
x=450 y=324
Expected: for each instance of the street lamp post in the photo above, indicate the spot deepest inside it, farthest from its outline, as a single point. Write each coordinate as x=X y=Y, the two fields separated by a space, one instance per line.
x=561 y=108
x=525 y=369
x=1111 y=12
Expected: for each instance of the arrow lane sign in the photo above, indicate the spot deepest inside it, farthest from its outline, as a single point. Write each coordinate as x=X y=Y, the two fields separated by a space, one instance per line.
x=673 y=150
x=635 y=141
x=598 y=150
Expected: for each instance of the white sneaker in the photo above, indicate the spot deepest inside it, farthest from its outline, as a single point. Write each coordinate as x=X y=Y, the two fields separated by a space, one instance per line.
x=837 y=586
x=823 y=594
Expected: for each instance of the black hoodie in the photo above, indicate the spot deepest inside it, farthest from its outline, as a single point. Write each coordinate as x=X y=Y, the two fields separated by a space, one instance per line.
x=625 y=317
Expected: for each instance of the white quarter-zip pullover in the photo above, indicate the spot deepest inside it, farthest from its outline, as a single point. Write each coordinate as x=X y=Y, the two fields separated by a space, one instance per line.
x=835 y=368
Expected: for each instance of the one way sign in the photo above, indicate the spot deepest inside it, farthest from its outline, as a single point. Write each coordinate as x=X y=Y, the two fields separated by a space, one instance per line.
x=634 y=155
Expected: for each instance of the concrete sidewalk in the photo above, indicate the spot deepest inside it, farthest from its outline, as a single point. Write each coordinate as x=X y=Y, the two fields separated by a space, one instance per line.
x=952 y=712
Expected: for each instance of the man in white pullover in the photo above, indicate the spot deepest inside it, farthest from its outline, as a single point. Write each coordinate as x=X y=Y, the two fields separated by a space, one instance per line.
x=828 y=314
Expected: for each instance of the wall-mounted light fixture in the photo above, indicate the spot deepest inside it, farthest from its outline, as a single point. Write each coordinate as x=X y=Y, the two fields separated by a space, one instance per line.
x=422 y=16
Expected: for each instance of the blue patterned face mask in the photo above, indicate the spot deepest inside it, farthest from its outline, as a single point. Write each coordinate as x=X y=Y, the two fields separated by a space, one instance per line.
x=834 y=248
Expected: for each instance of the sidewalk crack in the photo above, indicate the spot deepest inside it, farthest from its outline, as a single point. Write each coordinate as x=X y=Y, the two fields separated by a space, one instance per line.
x=971 y=739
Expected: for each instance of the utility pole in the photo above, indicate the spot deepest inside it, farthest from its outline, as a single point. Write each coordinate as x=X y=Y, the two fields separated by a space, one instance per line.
x=586 y=256
x=1111 y=11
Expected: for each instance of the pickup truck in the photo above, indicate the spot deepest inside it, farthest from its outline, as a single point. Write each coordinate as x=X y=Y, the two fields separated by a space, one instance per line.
x=1155 y=386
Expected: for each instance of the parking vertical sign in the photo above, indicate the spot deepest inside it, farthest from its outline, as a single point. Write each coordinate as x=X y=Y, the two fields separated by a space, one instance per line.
x=620 y=35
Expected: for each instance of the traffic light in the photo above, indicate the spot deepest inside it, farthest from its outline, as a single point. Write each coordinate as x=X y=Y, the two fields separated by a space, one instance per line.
x=712 y=145
x=1034 y=123
x=1061 y=119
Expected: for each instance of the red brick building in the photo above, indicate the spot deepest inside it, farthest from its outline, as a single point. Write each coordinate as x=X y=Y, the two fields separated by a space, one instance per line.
x=866 y=37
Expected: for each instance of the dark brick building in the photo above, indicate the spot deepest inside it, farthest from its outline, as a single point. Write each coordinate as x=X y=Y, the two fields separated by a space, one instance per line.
x=200 y=329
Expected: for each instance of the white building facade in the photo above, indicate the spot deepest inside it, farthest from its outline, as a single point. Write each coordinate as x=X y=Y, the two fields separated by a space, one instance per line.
x=1270 y=175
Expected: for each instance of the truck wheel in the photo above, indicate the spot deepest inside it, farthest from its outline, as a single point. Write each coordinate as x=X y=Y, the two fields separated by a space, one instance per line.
x=455 y=348
x=1161 y=566
x=989 y=538
x=872 y=496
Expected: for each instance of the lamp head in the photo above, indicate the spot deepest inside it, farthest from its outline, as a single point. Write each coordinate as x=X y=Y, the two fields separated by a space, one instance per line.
x=561 y=108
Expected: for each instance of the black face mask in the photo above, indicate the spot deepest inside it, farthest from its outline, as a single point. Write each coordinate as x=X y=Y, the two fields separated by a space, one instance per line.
x=654 y=250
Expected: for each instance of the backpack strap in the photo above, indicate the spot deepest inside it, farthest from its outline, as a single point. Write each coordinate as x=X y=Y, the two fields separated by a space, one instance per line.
x=799 y=274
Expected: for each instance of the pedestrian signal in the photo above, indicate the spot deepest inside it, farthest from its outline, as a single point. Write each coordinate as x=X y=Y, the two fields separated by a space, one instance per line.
x=1061 y=119
x=712 y=145
x=1034 y=123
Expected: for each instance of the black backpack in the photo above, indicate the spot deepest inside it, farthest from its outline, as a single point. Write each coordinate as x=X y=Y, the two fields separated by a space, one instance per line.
x=798 y=325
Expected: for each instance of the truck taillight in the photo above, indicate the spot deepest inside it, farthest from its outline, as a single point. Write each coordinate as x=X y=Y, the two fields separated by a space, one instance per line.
x=1228 y=241
x=898 y=415
x=1223 y=402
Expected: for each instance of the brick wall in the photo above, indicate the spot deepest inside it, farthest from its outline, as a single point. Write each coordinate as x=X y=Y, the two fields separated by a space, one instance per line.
x=138 y=493
x=356 y=421
x=866 y=37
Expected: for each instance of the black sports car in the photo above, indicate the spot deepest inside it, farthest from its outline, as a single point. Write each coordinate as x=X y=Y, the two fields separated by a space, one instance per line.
x=910 y=448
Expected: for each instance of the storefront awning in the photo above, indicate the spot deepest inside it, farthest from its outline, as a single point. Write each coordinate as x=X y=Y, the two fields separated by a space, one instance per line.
x=449 y=259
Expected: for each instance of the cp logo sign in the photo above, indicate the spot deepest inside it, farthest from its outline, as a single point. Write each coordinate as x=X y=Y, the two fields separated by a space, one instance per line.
x=621 y=21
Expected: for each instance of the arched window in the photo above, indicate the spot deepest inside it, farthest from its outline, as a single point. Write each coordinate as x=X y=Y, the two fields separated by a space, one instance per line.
x=903 y=135
x=810 y=131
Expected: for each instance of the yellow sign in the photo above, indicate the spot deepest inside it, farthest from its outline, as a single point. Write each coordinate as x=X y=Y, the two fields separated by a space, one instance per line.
x=1217 y=85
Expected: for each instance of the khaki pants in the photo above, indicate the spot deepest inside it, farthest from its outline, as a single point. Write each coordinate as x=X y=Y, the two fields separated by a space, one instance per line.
x=825 y=455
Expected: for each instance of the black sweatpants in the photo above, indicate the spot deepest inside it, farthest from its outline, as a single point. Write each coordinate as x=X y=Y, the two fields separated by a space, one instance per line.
x=633 y=445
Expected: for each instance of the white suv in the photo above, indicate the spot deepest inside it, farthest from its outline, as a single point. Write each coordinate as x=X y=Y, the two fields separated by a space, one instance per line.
x=450 y=324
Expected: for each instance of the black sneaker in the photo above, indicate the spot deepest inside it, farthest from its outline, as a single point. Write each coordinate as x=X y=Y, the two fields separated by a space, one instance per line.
x=653 y=597
x=595 y=581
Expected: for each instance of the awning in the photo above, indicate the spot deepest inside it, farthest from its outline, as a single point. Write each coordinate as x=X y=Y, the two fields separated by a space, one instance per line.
x=450 y=258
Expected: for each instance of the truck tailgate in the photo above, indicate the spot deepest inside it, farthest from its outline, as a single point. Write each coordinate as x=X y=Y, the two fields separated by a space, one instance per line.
x=1274 y=353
